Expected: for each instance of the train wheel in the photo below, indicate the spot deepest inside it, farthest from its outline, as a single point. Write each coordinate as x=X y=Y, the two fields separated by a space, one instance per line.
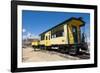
x=73 y=50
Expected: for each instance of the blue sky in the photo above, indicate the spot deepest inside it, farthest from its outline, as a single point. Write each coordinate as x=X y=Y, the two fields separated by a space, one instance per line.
x=36 y=22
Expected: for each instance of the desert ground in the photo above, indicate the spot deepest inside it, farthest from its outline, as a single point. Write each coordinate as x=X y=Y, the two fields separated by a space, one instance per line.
x=29 y=55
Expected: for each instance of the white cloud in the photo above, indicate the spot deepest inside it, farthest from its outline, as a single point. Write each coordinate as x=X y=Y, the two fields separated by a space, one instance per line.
x=23 y=30
x=29 y=34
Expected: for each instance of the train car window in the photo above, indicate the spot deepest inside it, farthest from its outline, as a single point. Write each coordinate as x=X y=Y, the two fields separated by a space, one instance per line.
x=49 y=37
x=60 y=33
x=53 y=35
x=46 y=37
x=42 y=37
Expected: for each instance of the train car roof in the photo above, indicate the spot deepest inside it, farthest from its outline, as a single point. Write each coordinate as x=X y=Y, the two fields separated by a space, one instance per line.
x=66 y=21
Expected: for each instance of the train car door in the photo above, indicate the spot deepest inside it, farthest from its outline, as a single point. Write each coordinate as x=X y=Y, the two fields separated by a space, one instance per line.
x=47 y=40
x=75 y=34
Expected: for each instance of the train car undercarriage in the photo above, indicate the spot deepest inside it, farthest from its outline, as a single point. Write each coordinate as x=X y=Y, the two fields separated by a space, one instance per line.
x=72 y=49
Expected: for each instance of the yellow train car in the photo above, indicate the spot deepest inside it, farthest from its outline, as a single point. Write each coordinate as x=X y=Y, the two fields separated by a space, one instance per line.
x=35 y=43
x=65 y=36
